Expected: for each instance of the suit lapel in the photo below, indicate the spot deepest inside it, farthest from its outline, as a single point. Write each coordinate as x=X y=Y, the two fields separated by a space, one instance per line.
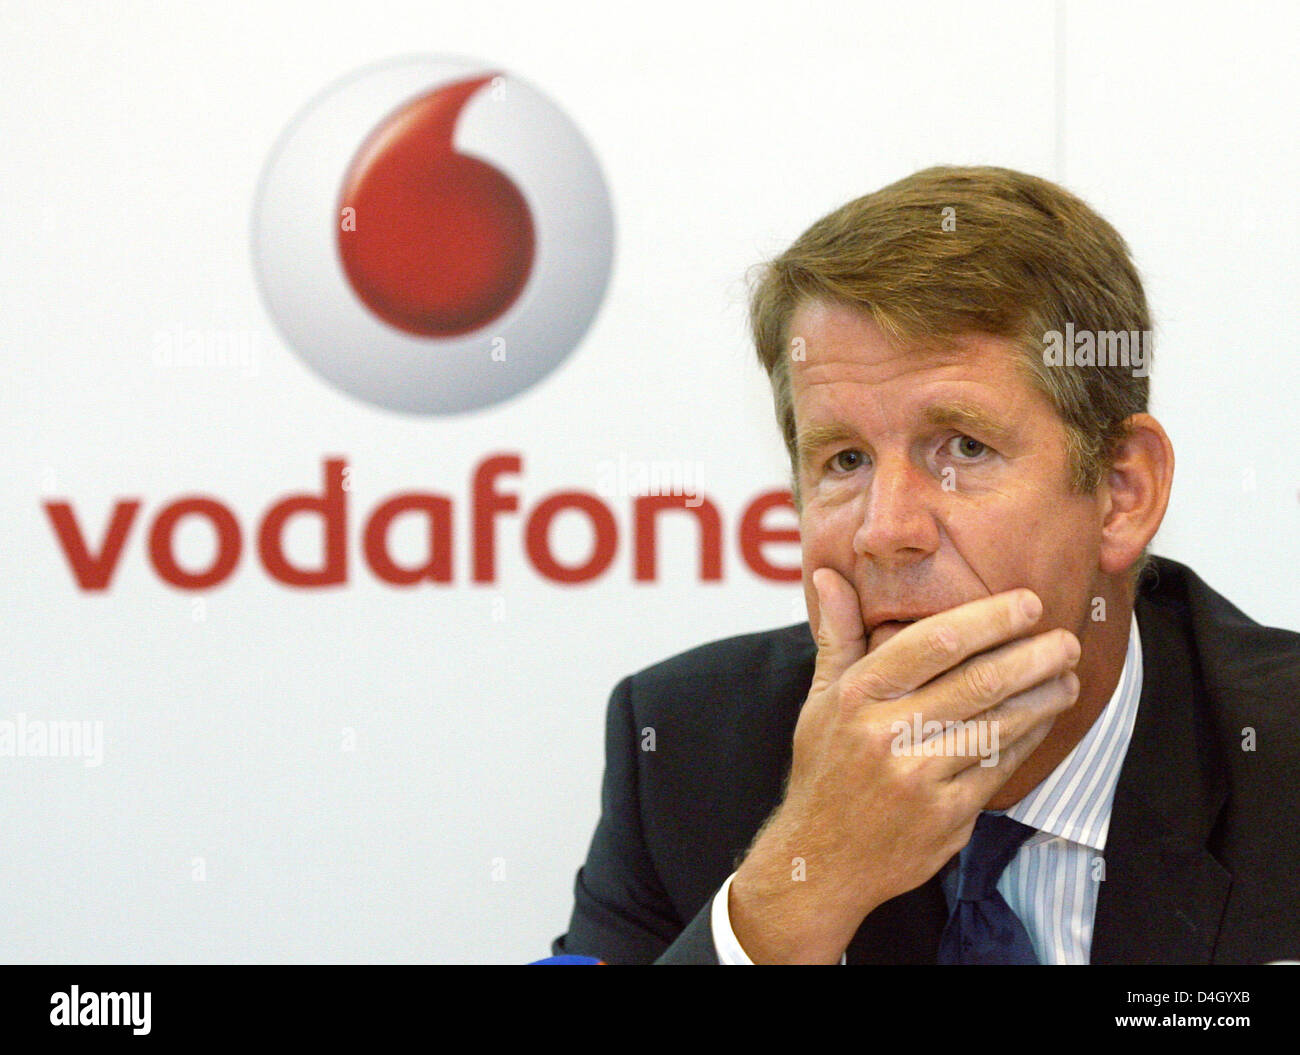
x=1163 y=894
x=904 y=930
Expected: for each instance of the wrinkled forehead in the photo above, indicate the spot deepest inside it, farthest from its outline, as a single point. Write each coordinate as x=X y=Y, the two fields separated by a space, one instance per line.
x=824 y=335
x=852 y=383
x=845 y=353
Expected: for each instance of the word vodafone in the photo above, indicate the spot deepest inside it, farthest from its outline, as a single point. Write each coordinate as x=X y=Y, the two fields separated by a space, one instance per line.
x=767 y=520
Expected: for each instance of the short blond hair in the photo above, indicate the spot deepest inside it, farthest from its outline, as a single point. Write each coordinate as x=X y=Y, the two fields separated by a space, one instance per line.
x=950 y=251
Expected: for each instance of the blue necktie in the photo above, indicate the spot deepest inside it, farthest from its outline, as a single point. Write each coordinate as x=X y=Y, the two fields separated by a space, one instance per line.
x=982 y=927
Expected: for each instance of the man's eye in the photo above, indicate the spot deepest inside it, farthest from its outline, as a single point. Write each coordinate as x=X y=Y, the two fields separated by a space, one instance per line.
x=964 y=447
x=847 y=461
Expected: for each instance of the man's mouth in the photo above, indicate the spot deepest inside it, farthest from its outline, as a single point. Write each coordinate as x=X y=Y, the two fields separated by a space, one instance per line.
x=883 y=631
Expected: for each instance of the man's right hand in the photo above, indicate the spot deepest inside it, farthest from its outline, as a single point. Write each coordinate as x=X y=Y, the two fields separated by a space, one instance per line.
x=863 y=822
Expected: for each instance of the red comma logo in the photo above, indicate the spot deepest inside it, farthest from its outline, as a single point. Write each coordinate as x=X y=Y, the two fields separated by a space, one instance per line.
x=432 y=236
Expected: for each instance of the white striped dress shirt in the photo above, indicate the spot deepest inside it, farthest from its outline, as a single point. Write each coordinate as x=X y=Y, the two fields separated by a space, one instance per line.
x=1053 y=881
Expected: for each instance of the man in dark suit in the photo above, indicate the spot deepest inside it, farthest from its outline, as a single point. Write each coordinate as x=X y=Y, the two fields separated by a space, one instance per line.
x=1201 y=863
x=989 y=744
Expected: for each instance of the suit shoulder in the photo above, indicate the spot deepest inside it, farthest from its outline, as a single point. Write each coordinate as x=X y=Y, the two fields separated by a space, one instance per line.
x=747 y=654
x=765 y=673
x=1239 y=656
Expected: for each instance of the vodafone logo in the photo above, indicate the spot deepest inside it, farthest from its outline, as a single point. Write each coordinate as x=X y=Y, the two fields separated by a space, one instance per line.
x=432 y=236
x=93 y=555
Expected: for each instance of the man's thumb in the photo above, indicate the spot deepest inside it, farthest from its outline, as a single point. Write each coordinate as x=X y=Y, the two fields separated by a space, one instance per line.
x=841 y=638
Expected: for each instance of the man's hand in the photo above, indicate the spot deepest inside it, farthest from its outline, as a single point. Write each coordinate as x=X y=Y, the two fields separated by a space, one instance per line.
x=862 y=821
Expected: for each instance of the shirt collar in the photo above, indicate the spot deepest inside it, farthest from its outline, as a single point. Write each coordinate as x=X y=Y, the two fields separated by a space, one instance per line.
x=1074 y=800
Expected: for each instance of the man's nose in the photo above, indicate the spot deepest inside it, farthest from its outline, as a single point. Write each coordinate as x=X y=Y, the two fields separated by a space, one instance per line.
x=899 y=522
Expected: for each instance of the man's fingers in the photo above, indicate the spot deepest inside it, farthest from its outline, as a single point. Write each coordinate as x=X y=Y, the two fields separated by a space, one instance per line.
x=841 y=640
x=929 y=647
x=981 y=783
x=986 y=680
x=985 y=738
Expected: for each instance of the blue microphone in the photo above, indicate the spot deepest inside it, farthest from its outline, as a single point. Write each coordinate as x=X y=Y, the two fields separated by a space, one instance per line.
x=569 y=959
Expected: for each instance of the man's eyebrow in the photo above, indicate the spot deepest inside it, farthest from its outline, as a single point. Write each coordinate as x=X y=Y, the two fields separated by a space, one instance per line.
x=813 y=438
x=968 y=417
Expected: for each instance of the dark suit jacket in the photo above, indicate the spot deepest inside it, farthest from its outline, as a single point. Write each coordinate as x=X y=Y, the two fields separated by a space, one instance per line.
x=1203 y=854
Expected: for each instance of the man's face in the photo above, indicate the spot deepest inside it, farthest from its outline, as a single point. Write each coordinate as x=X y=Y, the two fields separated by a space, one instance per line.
x=930 y=479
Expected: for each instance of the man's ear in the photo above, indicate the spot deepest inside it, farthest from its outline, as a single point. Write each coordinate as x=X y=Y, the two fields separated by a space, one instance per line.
x=1135 y=493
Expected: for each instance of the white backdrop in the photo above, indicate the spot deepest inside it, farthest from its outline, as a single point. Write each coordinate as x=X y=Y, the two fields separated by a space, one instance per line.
x=382 y=774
